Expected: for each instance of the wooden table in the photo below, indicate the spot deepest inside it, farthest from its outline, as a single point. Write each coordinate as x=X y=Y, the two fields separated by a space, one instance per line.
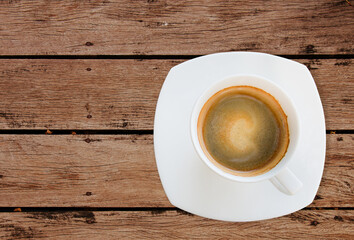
x=79 y=83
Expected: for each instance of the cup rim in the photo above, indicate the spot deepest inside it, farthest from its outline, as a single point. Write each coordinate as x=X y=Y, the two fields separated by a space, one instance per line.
x=194 y=132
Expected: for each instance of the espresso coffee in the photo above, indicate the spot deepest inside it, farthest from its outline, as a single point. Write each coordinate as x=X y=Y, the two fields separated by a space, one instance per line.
x=243 y=130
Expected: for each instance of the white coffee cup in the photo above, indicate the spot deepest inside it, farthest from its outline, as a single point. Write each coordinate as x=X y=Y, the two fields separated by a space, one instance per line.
x=280 y=175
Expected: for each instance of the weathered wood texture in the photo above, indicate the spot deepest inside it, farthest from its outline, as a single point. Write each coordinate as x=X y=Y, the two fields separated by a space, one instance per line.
x=175 y=27
x=325 y=224
x=122 y=94
x=120 y=171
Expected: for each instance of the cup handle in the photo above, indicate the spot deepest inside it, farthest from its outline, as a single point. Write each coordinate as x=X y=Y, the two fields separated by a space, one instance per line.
x=287 y=182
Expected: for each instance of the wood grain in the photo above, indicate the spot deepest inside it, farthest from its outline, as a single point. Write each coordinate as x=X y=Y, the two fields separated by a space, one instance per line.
x=122 y=94
x=120 y=171
x=79 y=170
x=175 y=27
x=305 y=224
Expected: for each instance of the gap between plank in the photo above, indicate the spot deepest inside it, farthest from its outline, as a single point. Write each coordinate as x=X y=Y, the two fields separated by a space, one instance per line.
x=105 y=132
x=293 y=56
x=126 y=209
x=73 y=131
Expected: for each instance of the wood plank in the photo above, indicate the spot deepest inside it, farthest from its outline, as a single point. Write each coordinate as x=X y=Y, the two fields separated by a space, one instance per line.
x=120 y=171
x=122 y=94
x=304 y=224
x=175 y=27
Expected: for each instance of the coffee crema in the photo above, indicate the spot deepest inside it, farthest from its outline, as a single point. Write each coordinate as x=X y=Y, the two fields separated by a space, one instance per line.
x=243 y=130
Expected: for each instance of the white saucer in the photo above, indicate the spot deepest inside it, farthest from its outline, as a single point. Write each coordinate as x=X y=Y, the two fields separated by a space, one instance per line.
x=189 y=184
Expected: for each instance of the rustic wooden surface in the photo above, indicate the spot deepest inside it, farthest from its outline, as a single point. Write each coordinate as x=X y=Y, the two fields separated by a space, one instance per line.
x=91 y=72
x=120 y=171
x=304 y=224
x=159 y=27
x=122 y=94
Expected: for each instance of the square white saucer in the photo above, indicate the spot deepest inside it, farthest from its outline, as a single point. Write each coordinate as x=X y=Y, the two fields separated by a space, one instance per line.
x=189 y=184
